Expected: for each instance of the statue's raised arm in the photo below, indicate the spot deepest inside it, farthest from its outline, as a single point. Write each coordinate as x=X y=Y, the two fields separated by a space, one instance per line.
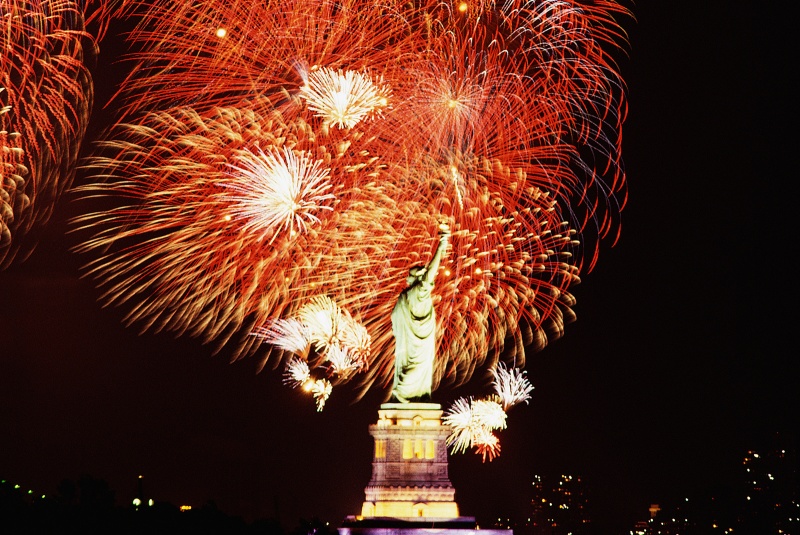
x=433 y=267
x=414 y=328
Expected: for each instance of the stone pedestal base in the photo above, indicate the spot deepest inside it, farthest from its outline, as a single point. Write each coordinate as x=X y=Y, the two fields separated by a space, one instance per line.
x=410 y=491
x=409 y=468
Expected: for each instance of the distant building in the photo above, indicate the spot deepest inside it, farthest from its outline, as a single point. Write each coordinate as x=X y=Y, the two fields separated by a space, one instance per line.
x=641 y=528
x=559 y=506
x=765 y=501
x=771 y=490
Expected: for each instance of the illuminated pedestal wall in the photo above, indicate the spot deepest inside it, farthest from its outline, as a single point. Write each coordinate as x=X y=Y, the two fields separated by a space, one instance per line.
x=410 y=491
x=409 y=468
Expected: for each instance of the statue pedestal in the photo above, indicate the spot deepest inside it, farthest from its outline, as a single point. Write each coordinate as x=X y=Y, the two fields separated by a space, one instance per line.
x=409 y=468
x=410 y=491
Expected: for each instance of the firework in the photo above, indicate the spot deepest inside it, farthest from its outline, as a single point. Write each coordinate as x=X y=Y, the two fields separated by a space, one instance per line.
x=462 y=428
x=488 y=414
x=342 y=98
x=341 y=342
x=282 y=192
x=287 y=334
x=321 y=390
x=229 y=53
x=341 y=361
x=296 y=373
x=356 y=338
x=341 y=346
x=12 y=173
x=322 y=317
x=487 y=445
x=470 y=417
x=303 y=158
x=472 y=421
x=511 y=385
x=45 y=48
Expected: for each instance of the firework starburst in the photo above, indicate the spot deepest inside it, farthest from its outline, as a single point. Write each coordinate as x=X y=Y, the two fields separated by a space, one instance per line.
x=511 y=385
x=341 y=346
x=343 y=98
x=296 y=372
x=321 y=390
x=472 y=421
x=310 y=152
x=278 y=190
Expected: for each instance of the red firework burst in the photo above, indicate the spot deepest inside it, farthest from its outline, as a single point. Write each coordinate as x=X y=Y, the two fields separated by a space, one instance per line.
x=501 y=121
x=44 y=52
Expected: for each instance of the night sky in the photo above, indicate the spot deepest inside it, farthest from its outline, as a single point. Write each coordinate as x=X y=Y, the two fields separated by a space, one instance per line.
x=679 y=361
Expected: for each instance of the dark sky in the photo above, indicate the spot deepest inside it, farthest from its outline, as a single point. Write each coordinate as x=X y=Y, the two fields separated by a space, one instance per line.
x=678 y=363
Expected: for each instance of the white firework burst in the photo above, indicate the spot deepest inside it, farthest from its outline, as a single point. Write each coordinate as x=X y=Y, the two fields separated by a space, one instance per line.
x=459 y=418
x=278 y=190
x=341 y=362
x=321 y=390
x=355 y=338
x=341 y=344
x=287 y=334
x=321 y=317
x=296 y=372
x=488 y=414
x=343 y=98
x=511 y=385
x=471 y=423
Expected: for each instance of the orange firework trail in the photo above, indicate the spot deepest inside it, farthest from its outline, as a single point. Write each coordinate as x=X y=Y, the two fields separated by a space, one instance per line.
x=271 y=153
x=45 y=51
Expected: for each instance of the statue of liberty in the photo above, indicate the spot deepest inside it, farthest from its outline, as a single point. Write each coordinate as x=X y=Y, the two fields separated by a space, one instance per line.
x=414 y=328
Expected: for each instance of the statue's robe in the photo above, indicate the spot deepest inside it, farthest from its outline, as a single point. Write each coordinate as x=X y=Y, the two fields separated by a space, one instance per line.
x=414 y=327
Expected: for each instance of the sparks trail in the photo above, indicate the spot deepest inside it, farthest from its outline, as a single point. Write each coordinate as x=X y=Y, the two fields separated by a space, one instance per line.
x=46 y=95
x=266 y=157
